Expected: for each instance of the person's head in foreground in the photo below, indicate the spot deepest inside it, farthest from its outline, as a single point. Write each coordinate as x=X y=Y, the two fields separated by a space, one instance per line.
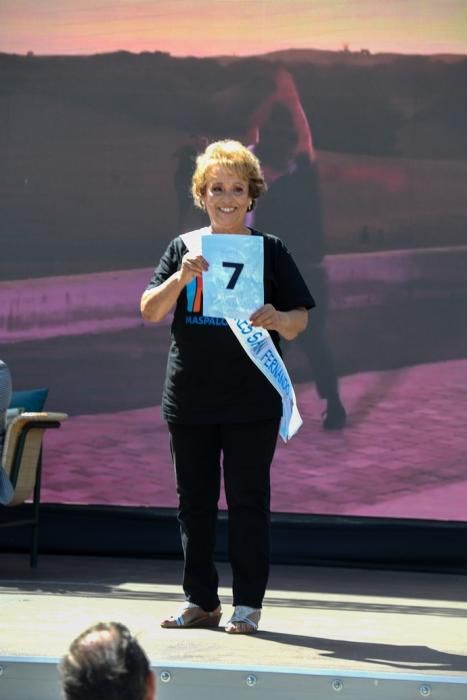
x=106 y=661
x=226 y=184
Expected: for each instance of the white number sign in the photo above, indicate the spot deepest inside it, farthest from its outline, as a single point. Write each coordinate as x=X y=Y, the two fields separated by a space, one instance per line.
x=233 y=286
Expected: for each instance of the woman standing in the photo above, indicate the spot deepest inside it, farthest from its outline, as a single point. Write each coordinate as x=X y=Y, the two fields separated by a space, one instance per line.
x=216 y=401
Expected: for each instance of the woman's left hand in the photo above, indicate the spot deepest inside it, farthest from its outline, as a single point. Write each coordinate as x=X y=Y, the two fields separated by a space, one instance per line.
x=288 y=323
x=266 y=317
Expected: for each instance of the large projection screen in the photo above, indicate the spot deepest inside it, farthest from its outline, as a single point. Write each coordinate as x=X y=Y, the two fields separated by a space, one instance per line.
x=103 y=107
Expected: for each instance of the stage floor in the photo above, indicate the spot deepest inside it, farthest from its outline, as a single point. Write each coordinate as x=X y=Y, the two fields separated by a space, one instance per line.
x=314 y=618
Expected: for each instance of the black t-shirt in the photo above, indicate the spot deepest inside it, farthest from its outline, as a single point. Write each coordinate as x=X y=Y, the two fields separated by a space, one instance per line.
x=210 y=378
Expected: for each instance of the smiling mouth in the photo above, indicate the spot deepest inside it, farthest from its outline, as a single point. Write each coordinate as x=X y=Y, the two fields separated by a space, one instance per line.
x=227 y=210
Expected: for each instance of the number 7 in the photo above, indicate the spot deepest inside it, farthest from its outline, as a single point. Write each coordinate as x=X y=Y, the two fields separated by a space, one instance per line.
x=238 y=267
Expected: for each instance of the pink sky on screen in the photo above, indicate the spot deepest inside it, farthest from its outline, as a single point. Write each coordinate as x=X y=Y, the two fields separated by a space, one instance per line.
x=240 y=27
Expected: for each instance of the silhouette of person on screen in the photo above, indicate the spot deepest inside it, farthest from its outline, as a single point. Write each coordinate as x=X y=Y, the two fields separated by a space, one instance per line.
x=280 y=134
x=188 y=215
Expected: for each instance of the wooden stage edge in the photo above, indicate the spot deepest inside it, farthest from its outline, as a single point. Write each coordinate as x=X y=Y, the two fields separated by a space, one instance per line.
x=325 y=632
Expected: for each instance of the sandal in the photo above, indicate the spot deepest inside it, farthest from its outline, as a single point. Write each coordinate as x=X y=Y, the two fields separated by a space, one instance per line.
x=191 y=615
x=244 y=620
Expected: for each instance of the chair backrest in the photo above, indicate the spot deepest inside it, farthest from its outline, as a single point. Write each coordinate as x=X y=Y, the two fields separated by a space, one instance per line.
x=26 y=432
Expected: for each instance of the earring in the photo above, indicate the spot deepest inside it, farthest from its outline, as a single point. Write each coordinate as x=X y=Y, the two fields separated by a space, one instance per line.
x=251 y=205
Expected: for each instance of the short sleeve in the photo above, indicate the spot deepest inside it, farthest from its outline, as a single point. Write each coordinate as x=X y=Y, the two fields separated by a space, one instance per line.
x=168 y=264
x=291 y=289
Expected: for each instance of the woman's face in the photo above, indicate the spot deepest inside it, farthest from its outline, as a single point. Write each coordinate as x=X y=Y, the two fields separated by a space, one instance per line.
x=226 y=200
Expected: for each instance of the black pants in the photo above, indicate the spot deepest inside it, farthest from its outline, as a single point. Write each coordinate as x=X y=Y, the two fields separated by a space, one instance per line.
x=248 y=449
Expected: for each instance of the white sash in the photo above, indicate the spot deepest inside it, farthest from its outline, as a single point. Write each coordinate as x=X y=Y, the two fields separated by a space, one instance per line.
x=192 y=239
x=261 y=350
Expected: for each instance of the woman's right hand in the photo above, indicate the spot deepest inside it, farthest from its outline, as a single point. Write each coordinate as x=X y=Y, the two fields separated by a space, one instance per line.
x=192 y=266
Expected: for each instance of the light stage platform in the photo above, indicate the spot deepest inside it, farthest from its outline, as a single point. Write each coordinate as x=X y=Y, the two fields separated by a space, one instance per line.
x=326 y=632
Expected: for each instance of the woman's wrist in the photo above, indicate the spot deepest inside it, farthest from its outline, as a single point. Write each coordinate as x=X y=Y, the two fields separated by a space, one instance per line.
x=291 y=323
x=183 y=278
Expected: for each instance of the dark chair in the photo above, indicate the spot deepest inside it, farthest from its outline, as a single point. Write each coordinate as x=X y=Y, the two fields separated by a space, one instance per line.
x=22 y=461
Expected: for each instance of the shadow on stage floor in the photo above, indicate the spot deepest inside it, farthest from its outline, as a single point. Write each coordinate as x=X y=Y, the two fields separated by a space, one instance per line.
x=396 y=626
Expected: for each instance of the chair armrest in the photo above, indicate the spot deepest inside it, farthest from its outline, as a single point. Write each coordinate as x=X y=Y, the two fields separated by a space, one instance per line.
x=17 y=434
x=36 y=417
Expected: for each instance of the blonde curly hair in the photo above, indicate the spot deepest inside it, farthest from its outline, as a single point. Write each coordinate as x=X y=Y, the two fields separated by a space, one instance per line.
x=236 y=158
